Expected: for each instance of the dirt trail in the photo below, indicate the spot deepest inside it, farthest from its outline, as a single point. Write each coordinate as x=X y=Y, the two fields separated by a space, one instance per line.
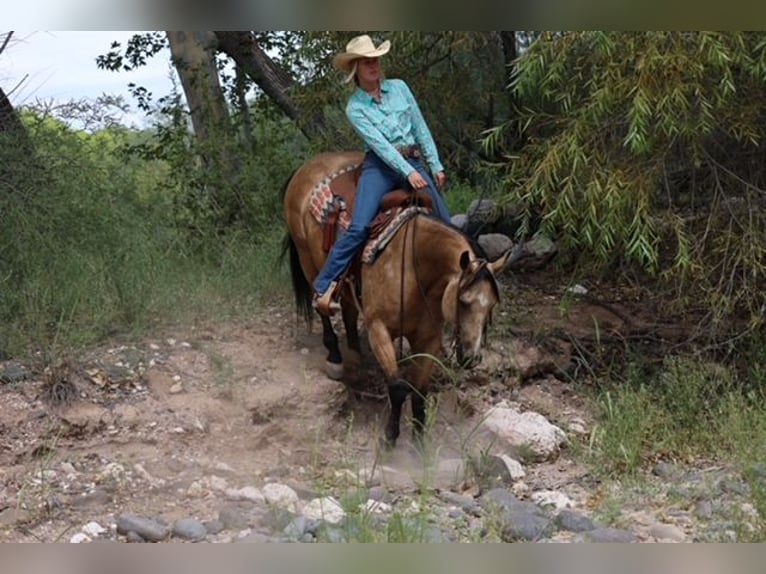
x=164 y=425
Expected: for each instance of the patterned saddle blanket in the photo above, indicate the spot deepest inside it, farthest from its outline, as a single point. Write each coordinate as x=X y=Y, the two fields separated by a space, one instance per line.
x=331 y=204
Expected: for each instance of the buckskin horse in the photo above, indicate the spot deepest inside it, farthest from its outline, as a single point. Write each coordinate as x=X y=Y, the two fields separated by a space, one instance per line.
x=428 y=276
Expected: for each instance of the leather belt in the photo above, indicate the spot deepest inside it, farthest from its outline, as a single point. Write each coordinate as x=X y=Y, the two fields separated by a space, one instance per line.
x=409 y=150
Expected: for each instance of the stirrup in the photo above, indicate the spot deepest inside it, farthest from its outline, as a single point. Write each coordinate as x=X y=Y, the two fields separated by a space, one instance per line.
x=325 y=304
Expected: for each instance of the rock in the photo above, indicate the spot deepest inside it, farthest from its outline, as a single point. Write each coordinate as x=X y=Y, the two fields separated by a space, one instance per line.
x=134 y=538
x=97 y=497
x=494 y=244
x=93 y=529
x=281 y=495
x=499 y=498
x=521 y=524
x=703 y=509
x=79 y=538
x=213 y=527
x=326 y=508
x=250 y=493
x=232 y=518
x=148 y=528
x=189 y=529
x=296 y=529
x=515 y=469
x=574 y=521
x=551 y=498
x=529 y=430
x=12 y=373
x=375 y=507
x=460 y=220
x=667 y=532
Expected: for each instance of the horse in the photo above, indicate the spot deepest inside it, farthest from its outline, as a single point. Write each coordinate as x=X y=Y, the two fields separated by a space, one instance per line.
x=428 y=276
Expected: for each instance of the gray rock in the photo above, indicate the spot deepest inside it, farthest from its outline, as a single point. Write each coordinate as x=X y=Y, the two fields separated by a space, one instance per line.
x=609 y=535
x=149 y=529
x=499 y=498
x=134 y=538
x=213 y=527
x=12 y=373
x=189 y=529
x=494 y=244
x=296 y=529
x=574 y=521
x=460 y=220
x=465 y=503
x=232 y=518
x=703 y=509
x=523 y=524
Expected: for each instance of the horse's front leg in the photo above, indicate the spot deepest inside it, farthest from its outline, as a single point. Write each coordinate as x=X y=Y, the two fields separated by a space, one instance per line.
x=383 y=348
x=350 y=317
x=334 y=361
x=425 y=351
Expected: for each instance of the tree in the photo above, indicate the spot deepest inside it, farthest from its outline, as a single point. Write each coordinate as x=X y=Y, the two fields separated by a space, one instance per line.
x=644 y=158
x=9 y=119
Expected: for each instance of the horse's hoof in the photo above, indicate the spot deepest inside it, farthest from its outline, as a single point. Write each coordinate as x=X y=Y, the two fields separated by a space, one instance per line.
x=333 y=370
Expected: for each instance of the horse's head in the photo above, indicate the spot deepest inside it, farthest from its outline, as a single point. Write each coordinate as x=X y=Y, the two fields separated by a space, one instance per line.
x=477 y=294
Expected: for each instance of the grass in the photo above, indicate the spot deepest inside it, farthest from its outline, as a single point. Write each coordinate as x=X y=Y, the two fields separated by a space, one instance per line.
x=686 y=411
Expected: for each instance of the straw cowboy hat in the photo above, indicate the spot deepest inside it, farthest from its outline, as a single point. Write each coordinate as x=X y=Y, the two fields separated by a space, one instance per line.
x=359 y=47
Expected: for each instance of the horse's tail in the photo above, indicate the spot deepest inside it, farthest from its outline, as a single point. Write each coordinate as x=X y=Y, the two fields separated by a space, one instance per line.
x=301 y=287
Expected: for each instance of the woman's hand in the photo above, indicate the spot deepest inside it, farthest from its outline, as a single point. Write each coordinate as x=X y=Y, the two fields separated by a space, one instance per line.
x=441 y=179
x=416 y=180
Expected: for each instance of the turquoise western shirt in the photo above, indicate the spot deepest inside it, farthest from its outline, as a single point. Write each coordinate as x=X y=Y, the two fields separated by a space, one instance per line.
x=395 y=121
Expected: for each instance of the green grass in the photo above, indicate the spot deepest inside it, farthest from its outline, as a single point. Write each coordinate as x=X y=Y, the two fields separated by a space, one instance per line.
x=686 y=411
x=95 y=244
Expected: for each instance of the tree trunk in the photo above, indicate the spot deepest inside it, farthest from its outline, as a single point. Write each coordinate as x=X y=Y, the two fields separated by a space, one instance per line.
x=271 y=78
x=194 y=58
x=244 y=109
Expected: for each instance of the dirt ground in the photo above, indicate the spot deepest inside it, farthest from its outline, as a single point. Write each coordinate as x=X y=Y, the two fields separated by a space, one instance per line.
x=153 y=423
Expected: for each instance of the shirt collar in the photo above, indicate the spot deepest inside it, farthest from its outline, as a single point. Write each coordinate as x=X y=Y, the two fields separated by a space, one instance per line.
x=364 y=96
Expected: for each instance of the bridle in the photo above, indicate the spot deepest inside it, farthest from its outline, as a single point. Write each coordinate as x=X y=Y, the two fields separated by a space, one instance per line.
x=470 y=276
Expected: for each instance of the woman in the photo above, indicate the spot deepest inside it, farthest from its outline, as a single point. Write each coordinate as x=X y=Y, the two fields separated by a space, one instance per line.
x=396 y=139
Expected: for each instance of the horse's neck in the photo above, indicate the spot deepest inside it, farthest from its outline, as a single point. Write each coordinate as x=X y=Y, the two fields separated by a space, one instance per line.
x=445 y=245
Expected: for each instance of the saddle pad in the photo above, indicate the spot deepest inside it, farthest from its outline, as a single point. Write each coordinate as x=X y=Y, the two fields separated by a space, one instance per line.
x=322 y=200
x=377 y=244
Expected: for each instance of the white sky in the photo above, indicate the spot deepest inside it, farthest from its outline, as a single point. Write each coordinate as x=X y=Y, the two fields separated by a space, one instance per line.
x=61 y=66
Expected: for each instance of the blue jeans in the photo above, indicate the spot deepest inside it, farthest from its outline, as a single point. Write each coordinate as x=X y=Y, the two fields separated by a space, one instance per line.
x=376 y=180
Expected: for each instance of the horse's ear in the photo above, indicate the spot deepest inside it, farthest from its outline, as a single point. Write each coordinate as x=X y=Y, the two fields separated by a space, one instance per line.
x=499 y=264
x=465 y=260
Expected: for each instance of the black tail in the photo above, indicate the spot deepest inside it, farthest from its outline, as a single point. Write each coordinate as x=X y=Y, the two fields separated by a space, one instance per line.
x=302 y=289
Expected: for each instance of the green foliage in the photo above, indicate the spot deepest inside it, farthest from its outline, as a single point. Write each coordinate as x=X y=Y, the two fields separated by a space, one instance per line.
x=685 y=409
x=642 y=154
x=93 y=243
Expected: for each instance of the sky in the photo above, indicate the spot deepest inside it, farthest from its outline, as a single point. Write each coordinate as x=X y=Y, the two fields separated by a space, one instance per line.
x=61 y=66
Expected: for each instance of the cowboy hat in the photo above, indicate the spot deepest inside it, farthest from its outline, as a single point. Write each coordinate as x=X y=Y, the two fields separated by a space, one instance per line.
x=359 y=47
